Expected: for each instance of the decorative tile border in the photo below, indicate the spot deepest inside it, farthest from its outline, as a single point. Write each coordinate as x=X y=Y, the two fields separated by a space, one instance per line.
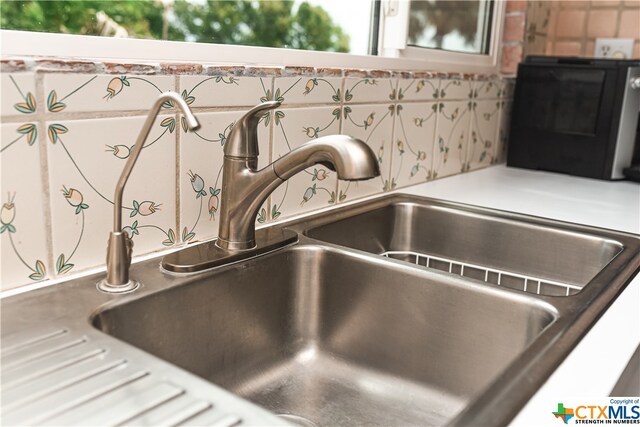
x=16 y=65
x=67 y=127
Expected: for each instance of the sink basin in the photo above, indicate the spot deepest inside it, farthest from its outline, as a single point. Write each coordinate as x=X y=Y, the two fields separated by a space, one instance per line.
x=500 y=248
x=466 y=316
x=326 y=337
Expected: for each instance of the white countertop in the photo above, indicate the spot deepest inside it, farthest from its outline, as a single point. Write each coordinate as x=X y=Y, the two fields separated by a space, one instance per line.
x=592 y=369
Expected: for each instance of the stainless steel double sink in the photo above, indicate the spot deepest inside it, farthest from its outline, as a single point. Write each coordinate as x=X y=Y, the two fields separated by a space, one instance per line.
x=466 y=316
x=396 y=311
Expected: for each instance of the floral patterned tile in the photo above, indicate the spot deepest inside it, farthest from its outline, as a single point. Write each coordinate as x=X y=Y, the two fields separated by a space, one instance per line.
x=23 y=236
x=315 y=187
x=374 y=125
x=488 y=89
x=89 y=93
x=309 y=90
x=485 y=116
x=414 y=134
x=423 y=89
x=225 y=91
x=18 y=94
x=367 y=89
x=86 y=158
x=500 y=153
x=456 y=89
x=200 y=175
x=452 y=131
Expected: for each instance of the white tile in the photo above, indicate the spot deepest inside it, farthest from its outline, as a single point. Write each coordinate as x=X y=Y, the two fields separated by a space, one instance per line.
x=485 y=117
x=85 y=163
x=315 y=187
x=88 y=93
x=374 y=125
x=488 y=89
x=200 y=175
x=456 y=89
x=361 y=89
x=18 y=94
x=309 y=90
x=423 y=89
x=414 y=134
x=225 y=91
x=22 y=217
x=449 y=151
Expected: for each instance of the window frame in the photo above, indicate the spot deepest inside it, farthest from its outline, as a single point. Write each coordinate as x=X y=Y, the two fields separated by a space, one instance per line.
x=394 y=29
x=15 y=43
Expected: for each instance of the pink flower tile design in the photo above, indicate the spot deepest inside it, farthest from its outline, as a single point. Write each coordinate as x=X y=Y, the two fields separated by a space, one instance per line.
x=309 y=90
x=414 y=134
x=200 y=173
x=456 y=89
x=369 y=89
x=452 y=131
x=422 y=89
x=315 y=187
x=224 y=90
x=23 y=236
x=86 y=158
x=488 y=89
x=372 y=124
x=93 y=93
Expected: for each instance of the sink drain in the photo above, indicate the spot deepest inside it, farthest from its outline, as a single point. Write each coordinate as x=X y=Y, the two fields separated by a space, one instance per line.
x=297 y=420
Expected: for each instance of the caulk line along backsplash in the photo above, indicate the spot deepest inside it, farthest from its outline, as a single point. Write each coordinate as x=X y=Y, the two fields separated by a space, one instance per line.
x=68 y=128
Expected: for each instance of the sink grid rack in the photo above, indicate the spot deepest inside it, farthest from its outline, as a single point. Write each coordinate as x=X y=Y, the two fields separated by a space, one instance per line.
x=508 y=279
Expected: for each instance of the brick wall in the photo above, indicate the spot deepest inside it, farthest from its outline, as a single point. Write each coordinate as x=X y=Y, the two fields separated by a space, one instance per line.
x=565 y=27
x=575 y=25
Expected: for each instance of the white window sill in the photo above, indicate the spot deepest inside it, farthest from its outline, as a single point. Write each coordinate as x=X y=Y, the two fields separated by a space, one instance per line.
x=25 y=43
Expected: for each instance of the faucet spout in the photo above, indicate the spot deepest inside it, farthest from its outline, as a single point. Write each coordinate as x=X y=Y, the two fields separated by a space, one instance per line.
x=349 y=157
x=192 y=124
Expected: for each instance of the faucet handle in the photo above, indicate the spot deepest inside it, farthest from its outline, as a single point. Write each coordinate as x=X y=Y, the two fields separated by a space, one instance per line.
x=243 y=139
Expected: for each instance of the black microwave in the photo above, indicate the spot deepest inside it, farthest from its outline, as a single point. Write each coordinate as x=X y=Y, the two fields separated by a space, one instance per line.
x=575 y=115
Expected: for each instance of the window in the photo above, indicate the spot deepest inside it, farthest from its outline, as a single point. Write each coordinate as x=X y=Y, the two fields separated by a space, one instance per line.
x=459 y=26
x=441 y=35
x=461 y=35
x=324 y=25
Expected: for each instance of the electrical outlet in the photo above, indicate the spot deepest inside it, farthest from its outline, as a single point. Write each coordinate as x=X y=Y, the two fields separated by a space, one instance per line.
x=613 y=48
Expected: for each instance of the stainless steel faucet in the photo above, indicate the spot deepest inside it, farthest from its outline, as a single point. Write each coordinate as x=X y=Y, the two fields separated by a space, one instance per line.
x=245 y=188
x=120 y=244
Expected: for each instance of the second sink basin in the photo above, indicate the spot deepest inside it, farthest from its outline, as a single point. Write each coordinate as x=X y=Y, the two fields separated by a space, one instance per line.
x=501 y=248
x=326 y=337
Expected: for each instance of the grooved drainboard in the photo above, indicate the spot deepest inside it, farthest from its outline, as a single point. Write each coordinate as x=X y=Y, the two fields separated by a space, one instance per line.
x=534 y=285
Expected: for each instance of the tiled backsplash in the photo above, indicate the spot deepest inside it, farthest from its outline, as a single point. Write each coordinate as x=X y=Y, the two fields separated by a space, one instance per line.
x=67 y=130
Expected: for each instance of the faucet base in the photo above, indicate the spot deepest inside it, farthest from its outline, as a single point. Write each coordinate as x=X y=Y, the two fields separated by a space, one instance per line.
x=104 y=286
x=235 y=246
x=209 y=255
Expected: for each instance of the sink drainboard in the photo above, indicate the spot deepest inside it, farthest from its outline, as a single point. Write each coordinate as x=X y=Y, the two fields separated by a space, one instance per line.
x=534 y=285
